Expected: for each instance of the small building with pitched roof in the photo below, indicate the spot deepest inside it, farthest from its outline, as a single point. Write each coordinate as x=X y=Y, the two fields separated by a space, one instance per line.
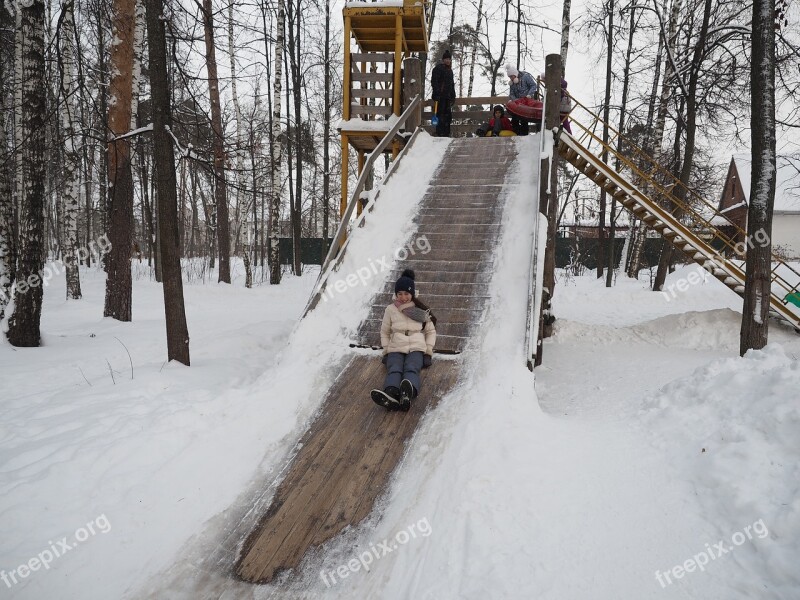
x=733 y=204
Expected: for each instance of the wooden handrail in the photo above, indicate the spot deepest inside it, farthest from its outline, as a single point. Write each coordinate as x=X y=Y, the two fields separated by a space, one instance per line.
x=338 y=239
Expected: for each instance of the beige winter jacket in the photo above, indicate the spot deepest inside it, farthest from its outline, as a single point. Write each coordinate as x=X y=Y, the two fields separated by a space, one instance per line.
x=400 y=333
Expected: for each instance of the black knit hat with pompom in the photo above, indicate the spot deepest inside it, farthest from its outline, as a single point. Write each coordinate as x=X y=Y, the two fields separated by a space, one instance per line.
x=406 y=283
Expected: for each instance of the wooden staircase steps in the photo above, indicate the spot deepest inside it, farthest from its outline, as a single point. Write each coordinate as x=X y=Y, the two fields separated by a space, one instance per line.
x=693 y=240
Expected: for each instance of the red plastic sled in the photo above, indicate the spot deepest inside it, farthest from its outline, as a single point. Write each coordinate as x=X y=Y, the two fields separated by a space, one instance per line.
x=526 y=108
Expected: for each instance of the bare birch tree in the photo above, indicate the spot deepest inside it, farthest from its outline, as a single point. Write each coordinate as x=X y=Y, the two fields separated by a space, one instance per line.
x=7 y=241
x=655 y=147
x=242 y=215
x=220 y=187
x=565 y=22
x=7 y=259
x=71 y=189
x=24 y=322
x=275 y=180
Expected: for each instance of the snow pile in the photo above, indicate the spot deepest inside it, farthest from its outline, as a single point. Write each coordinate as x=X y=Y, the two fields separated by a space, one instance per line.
x=578 y=298
x=732 y=429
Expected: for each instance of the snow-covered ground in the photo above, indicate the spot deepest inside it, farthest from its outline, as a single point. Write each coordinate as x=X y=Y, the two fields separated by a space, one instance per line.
x=614 y=472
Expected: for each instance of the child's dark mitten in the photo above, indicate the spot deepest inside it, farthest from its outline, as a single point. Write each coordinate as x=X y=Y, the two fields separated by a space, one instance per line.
x=385 y=358
x=427 y=359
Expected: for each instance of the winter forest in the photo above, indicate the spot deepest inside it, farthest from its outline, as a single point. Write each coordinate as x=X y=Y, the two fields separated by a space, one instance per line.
x=185 y=134
x=256 y=187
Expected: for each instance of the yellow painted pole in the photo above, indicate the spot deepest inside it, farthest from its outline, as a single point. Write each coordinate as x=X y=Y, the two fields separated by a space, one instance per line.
x=347 y=67
x=398 y=58
x=345 y=115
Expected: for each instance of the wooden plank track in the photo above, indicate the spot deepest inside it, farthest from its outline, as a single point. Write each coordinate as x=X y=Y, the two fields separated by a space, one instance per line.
x=352 y=446
x=346 y=458
x=460 y=216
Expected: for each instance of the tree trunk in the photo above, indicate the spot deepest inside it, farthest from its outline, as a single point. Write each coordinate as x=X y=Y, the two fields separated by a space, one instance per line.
x=7 y=237
x=7 y=257
x=166 y=186
x=326 y=134
x=654 y=147
x=239 y=177
x=621 y=128
x=691 y=131
x=275 y=192
x=71 y=189
x=120 y=178
x=23 y=324
x=565 y=22
x=601 y=232
x=220 y=188
x=475 y=49
x=297 y=204
x=104 y=201
x=755 y=312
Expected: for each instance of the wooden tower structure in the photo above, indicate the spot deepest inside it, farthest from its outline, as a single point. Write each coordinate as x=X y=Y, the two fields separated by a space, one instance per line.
x=378 y=36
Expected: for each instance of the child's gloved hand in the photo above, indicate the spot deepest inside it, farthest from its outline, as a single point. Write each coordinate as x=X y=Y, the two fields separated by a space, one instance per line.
x=427 y=359
x=385 y=357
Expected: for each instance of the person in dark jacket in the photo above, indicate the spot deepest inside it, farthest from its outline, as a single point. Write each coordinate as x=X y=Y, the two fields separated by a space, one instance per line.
x=443 y=90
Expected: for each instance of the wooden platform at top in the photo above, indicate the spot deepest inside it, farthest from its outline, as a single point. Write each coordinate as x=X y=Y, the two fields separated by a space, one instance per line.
x=346 y=458
x=374 y=25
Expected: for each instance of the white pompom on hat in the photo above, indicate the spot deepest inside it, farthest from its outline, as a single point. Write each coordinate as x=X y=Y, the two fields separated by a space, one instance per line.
x=511 y=71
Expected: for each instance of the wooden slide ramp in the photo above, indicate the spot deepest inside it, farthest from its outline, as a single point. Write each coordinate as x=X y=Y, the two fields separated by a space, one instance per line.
x=349 y=453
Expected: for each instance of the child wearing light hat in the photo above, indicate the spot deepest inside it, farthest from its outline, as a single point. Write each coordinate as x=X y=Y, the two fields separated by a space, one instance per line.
x=408 y=335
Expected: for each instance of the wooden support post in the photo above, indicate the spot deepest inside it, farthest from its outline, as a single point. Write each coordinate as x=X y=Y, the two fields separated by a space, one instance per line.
x=412 y=86
x=548 y=191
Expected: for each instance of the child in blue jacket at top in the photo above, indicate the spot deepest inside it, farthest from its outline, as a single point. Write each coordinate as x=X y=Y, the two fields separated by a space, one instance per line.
x=408 y=335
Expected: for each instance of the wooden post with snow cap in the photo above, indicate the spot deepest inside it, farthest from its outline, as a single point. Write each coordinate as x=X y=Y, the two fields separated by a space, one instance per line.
x=548 y=190
x=412 y=86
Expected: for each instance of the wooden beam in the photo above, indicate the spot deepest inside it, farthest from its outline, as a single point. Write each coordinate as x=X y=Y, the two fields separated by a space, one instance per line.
x=373 y=57
x=377 y=93
x=372 y=77
x=359 y=109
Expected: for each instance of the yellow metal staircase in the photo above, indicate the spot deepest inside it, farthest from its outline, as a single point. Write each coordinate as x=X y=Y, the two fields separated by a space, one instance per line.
x=686 y=224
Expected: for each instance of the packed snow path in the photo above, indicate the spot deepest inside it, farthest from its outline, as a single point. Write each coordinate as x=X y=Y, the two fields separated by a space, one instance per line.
x=347 y=457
